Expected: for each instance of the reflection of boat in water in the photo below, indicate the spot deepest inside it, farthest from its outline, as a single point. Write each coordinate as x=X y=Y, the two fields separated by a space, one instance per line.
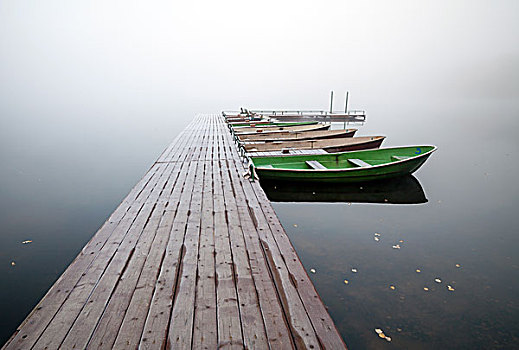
x=402 y=190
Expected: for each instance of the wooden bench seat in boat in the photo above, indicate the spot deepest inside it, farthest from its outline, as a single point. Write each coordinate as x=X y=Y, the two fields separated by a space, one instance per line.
x=359 y=162
x=315 y=164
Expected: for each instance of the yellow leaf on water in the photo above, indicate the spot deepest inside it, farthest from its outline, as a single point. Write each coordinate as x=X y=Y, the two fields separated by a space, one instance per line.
x=392 y=287
x=382 y=335
x=346 y=281
x=312 y=270
x=378 y=331
x=13 y=263
x=426 y=289
x=458 y=265
x=418 y=270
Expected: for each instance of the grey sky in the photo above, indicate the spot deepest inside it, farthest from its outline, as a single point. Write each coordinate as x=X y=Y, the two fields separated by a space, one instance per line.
x=208 y=55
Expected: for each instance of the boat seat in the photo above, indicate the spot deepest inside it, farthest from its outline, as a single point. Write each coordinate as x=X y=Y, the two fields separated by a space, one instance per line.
x=359 y=162
x=315 y=164
x=400 y=157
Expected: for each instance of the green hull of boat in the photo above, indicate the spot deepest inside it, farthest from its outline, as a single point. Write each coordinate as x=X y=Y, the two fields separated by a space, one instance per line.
x=357 y=166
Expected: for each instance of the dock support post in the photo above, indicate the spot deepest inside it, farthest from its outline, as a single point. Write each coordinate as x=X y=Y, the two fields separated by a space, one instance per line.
x=331 y=102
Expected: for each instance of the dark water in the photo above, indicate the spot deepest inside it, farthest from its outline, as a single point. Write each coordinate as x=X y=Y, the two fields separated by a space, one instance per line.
x=61 y=178
x=461 y=229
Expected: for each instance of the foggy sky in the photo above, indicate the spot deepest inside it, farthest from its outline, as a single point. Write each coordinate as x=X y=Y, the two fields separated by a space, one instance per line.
x=115 y=68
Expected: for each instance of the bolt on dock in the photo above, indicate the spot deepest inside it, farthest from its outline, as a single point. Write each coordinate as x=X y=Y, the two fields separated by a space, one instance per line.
x=194 y=257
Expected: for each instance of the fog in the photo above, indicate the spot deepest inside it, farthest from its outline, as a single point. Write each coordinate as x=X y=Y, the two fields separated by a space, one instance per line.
x=91 y=92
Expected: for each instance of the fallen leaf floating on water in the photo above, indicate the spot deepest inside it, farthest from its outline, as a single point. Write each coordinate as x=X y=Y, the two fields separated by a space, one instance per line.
x=396 y=246
x=13 y=263
x=354 y=270
x=346 y=281
x=312 y=270
x=377 y=234
x=418 y=270
x=388 y=338
x=376 y=239
x=458 y=266
x=392 y=287
x=401 y=241
x=437 y=280
x=27 y=242
x=295 y=225
x=382 y=335
x=450 y=289
x=426 y=289
x=378 y=331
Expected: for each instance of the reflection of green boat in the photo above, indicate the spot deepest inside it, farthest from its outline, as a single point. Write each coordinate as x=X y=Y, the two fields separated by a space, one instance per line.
x=266 y=124
x=357 y=166
x=402 y=190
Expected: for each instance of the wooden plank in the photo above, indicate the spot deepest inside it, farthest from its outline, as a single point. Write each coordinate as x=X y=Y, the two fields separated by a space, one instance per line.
x=93 y=290
x=140 y=273
x=323 y=324
x=275 y=324
x=181 y=327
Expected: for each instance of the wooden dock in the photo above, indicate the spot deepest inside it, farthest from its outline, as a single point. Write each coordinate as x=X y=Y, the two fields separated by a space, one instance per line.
x=194 y=257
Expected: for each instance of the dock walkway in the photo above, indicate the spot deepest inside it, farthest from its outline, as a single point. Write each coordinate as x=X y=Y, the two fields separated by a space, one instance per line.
x=194 y=257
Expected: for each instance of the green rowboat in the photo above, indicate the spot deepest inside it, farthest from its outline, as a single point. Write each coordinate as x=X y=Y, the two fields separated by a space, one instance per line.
x=357 y=166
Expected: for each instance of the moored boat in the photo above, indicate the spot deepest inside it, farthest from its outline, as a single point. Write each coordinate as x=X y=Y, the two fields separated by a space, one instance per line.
x=266 y=124
x=356 y=166
x=278 y=129
x=329 y=145
x=296 y=136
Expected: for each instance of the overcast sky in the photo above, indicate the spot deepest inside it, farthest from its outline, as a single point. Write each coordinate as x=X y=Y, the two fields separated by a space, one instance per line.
x=91 y=62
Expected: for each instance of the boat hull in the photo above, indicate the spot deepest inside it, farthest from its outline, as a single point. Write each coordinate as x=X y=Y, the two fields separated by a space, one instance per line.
x=291 y=168
x=329 y=145
x=278 y=129
x=297 y=136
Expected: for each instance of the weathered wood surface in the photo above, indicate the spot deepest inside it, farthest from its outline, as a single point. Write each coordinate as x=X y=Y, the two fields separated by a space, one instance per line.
x=194 y=257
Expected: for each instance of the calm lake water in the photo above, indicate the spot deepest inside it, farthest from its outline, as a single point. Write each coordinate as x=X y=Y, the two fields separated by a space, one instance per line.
x=456 y=220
